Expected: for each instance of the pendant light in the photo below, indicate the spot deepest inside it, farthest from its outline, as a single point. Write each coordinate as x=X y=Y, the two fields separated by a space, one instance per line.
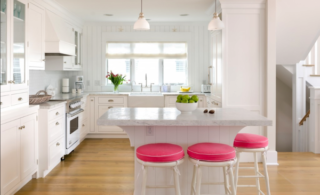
x=141 y=23
x=215 y=23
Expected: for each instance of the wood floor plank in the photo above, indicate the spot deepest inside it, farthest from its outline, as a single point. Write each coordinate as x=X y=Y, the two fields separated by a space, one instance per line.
x=106 y=167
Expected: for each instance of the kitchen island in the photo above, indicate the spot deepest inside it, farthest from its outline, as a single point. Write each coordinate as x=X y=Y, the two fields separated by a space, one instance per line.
x=168 y=125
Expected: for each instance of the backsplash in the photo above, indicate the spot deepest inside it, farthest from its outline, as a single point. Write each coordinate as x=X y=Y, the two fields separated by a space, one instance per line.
x=40 y=79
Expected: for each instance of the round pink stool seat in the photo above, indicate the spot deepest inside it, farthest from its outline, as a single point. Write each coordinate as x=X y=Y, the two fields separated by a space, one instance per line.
x=211 y=152
x=247 y=140
x=160 y=152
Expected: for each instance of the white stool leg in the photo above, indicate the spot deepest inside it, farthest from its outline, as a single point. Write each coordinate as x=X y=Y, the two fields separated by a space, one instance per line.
x=144 y=180
x=198 y=181
x=236 y=177
x=226 y=180
x=193 y=184
x=256 y=169
x=176 y=182
x=266 y=176
x=232 y=183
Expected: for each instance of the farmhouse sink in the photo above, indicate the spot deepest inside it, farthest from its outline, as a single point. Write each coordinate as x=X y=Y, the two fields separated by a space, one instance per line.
x=146 y=99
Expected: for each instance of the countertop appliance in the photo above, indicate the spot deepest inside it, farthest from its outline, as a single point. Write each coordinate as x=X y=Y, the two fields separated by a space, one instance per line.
x=79 y=84
x=205 y=88
x=73 y=110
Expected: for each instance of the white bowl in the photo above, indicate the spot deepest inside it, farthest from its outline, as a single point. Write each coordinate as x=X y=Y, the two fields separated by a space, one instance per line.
x=186 y=107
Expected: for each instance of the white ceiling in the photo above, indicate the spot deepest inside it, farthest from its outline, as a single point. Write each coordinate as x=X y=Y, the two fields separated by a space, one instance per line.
x=128 y=10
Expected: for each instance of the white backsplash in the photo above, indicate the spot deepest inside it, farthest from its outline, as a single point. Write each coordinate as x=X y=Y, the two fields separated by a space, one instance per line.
x=40 y=79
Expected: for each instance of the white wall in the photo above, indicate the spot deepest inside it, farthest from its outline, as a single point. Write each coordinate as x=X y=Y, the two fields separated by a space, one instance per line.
x=298 y=27
x=92 y=52
x=284 y=117
x=40 y=79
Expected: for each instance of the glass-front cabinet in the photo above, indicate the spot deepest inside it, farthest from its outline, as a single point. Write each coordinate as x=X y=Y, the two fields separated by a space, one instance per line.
x=77 y=62
x=13 y=45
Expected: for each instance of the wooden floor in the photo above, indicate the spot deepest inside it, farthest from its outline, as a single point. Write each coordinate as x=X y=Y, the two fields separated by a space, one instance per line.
x=105 y=167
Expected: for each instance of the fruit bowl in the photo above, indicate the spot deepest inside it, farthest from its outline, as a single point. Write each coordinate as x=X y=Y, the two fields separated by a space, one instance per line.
x=186 y=108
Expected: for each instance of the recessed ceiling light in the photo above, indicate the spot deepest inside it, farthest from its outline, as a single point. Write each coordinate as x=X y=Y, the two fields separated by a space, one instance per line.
x=108 y=14
x=184 y=14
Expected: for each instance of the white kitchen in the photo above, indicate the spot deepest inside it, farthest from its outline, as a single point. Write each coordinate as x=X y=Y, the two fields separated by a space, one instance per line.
x=147 y=97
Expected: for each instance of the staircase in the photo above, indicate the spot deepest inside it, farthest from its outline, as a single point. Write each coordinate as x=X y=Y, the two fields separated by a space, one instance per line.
x=304 y=134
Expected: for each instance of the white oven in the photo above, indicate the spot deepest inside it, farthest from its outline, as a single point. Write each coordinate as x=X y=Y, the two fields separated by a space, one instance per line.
x=72 y=130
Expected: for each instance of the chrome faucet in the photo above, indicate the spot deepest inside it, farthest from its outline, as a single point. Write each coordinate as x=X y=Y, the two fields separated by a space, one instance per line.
x=146 y=78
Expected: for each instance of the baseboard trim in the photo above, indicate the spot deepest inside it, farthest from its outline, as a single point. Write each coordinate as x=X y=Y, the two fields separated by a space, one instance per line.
x=272 y=158
x=96 y=136
x=22 y=183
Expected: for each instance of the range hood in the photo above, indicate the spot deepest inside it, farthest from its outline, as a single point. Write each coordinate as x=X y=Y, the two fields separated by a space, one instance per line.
x=59 y=36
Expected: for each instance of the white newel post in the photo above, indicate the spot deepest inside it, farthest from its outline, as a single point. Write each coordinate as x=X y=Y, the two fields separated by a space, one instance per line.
x=315 y=119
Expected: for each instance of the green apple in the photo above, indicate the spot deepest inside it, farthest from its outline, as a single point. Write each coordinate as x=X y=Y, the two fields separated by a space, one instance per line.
x=178 y=101
x=191 y=101
x=195 y=98
x=184 y=101
x=179 y=98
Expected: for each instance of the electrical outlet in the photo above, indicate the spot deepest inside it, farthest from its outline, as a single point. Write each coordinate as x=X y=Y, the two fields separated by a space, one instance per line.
x=150 y=131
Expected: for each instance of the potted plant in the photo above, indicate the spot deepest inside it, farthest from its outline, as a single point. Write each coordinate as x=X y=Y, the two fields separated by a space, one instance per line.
x=116 y=80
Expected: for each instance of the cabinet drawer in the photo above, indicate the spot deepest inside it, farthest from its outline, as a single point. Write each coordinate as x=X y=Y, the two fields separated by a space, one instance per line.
x=56 y=151
x=110 y=100
x=19 y=98
x=56 y=113
x=56 y=129
x=5 y=101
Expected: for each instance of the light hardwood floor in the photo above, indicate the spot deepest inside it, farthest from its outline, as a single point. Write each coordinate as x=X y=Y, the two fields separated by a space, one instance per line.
x=105 y=167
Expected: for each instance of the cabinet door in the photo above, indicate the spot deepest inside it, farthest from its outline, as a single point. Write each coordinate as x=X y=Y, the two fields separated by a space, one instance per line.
x=19 y=68
x=10 y=155
x=91 y=114
x=36 y=34
x=28 y=145
x=5 y=39
x=110 y=129
x=67 y=63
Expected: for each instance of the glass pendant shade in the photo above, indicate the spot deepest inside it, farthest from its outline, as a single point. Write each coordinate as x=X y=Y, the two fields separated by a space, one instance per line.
x=141 y=23
x=215 y=23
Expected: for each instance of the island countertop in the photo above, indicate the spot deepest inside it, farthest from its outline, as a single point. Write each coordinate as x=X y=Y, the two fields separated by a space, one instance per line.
x=173 y=117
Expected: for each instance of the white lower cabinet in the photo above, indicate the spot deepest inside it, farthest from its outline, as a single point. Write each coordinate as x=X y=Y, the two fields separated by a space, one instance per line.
x=52 y=122
x=18 y=152
x=84 y=118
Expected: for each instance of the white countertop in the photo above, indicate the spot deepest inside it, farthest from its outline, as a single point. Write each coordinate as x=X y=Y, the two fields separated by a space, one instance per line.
x=145 y=93
x=51 y=104
x=173 y=117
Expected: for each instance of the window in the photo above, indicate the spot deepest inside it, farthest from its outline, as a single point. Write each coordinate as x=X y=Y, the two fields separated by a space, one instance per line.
x=119 y=66
x=175 y=71
x=161 y=62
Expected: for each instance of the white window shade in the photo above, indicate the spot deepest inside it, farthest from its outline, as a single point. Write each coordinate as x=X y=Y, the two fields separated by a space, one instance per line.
x=146 y=51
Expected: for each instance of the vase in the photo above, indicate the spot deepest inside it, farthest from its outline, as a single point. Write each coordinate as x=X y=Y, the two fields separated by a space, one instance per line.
x=116 y=89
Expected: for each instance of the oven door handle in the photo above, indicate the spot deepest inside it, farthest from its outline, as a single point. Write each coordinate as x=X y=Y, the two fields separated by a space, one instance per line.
x=76 y=113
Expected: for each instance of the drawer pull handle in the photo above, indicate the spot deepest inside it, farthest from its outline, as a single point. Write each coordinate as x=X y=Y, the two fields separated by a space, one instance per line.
x=110 y=100
x=57 y=123
x=110 y=107
x=58 y=144
x=57 y=113
x=20 y=128
x=20 y=98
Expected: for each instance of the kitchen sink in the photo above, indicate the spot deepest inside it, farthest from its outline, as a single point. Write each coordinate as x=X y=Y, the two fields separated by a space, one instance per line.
x=146 y=99
x=146 y=94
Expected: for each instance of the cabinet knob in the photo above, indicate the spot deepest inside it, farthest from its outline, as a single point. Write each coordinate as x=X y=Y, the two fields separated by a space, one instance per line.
x=110 y=107
x=23 y=127
x=65 y=62
x=0 y=103
x=83 y=125
x=9 y=81
x=20 y=98
x=57 y=123
x=58 y=144
x=57 y=113
x=13 y=82
x=20 y=127
x=43 y=60
x=91 y=100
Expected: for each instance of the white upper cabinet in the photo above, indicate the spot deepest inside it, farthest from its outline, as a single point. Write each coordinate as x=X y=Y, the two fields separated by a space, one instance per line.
x=13 y=45
x=76 y=61
x=36 y=38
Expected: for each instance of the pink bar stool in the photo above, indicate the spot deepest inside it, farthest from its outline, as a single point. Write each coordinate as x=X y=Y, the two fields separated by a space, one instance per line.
x=212 y=155
x=245 y=142
x=160 y=155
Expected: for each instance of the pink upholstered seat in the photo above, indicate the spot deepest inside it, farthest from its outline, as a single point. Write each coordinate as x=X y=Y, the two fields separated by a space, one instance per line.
x=160 y=152
x=211 y=152
x=247 y=140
